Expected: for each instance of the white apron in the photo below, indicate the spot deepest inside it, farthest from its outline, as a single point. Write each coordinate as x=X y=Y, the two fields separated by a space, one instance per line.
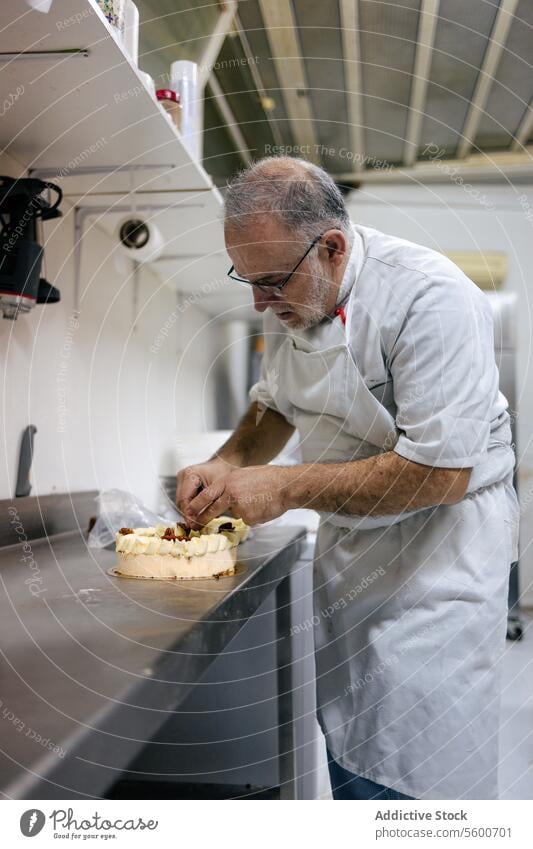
x=410 y=611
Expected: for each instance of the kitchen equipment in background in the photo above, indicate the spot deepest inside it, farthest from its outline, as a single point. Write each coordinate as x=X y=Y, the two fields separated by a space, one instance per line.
x=131 y=31
x=170 y=101
x=25 y=459
x=504 y=307
x=232 y=370
x=114 y=11
x=139 y=239
x=488 y=269
x=184 y=80
x=21 y=205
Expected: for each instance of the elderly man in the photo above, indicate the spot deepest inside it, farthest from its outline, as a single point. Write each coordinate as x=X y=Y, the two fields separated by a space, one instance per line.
x=379 y=352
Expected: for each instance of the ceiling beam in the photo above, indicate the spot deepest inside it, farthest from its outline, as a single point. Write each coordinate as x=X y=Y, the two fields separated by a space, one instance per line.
x=429 y=11
x=216 y=40
x=499 y=166
x=256 y=76
x=349 y=11
x=525 y=129
x=280 y=29
x=491 y=60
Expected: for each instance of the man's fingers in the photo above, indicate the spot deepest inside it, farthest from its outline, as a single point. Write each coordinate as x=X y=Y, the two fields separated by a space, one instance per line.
x=196 y=510
x=187 y=488
x=215 y=509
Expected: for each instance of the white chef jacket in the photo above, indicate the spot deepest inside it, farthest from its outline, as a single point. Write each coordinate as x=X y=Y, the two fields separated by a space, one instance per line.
x=396 y=597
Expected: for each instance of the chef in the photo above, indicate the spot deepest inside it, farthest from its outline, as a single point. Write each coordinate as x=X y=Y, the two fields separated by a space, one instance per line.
x=379 y=353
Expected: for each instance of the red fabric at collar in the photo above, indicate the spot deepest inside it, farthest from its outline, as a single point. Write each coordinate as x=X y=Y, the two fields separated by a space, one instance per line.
x=340 y=311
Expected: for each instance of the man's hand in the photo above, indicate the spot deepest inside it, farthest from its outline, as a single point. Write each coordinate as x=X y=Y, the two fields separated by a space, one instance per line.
x=381 y=485
x=255 y=494
x=191 y=480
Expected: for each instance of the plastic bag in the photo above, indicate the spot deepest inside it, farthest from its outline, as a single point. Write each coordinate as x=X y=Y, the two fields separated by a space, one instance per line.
x=120 y=509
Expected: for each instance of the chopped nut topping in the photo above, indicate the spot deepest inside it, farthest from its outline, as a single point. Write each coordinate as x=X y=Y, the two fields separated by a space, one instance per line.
x=171 y=536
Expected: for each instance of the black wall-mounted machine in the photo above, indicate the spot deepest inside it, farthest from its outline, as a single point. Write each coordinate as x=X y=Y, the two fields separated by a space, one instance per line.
x=22 y=203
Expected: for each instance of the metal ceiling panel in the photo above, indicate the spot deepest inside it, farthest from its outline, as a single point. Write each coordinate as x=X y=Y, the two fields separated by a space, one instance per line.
x=513 y=87
x=282 y=34
x=487 y=73
x=380 y=75
x=424 y=50
x=388 y=46
x=321 y=45
x=349 y=14
x=233 y=74
x=252 y=22
x=463 y=31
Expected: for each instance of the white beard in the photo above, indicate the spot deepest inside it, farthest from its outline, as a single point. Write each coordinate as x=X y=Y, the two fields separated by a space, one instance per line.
x=313 y=311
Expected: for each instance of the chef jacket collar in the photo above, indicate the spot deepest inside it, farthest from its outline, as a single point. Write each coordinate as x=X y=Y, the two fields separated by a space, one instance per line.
x=353 y=267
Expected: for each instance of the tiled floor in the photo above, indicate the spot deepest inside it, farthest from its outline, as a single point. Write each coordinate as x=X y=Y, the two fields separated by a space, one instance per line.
x=516 y=739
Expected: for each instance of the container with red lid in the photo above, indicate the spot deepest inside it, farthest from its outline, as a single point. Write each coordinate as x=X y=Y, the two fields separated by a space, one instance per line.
x=170 y=100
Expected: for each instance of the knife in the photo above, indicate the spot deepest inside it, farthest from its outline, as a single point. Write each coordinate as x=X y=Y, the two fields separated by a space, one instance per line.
x=25 y=460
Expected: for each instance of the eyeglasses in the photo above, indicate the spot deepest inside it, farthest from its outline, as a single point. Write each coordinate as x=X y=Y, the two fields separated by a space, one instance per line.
x=267 y=287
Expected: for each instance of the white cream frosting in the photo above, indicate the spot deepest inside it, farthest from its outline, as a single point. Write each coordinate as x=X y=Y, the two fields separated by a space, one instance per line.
x=208 y=540
x=177 y=568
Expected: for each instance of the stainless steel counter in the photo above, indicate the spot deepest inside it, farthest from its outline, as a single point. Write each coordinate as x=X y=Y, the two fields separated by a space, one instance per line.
x=93 y=665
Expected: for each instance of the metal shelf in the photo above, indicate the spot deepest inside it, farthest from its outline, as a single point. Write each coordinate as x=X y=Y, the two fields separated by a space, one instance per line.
x=80 y=110
x=82 y=116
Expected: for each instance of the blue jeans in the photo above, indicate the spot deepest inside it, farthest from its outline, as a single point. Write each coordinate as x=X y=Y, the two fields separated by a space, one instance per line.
x=347 y=785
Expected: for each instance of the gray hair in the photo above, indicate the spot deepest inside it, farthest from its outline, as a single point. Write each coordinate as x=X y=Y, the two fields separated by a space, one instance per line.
x=301 y=195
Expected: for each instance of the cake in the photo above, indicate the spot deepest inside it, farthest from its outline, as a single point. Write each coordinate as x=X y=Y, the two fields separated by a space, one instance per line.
x=174 y=551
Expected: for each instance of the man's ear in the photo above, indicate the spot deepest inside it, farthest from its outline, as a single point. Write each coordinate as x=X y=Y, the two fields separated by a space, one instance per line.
x=336 y=245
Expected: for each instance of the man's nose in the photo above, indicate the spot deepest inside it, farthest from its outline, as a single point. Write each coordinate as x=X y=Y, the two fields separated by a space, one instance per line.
x=262 y=300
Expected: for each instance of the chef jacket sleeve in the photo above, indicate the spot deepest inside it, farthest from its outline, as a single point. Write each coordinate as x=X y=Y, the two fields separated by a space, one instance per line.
x=261 y=391
x=444 y=374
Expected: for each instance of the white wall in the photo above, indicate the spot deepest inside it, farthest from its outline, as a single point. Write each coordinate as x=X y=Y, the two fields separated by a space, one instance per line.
x=485 y=217
x=107 y=408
